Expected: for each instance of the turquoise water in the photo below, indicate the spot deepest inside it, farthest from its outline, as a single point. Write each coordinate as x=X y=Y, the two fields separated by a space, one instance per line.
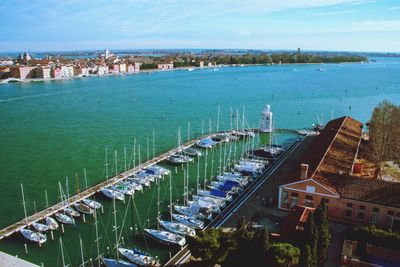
x=50 y=130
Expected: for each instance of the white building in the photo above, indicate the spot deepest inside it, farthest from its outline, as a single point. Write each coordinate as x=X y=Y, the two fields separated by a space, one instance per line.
x=102 y=70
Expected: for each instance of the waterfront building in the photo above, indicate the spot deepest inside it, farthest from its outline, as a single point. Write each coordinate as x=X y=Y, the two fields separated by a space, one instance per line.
x=101 y=70
x=165 y=66
x=113 y=68
x=122 y=67
x=326 y=173
x=43 y=72
x=137 y=66
x=67 y=71
x=22 y=72
x=4 y=72
x=56 y=72
x=266 y=126
x=130 y=68
x=201 y=64
x=81 y=71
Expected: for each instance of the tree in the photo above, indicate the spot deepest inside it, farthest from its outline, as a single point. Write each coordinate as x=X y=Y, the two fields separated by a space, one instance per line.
x=384 y=131
x=310 y=238
x=284 y=254
x=324 y=236
x=306 y=257
x=209 y=247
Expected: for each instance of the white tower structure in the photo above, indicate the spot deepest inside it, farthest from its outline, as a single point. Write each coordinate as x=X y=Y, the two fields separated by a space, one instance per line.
x=266 y=125
x=107 y=54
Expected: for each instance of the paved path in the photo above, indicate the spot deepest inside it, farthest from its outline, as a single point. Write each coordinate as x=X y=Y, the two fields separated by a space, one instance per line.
x=7 y=260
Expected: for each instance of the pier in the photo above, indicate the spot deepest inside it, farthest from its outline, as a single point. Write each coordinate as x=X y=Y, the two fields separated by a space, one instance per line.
x=16 y=227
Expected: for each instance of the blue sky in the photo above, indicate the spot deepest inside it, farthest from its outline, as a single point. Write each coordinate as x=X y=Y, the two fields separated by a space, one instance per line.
x=352 y=25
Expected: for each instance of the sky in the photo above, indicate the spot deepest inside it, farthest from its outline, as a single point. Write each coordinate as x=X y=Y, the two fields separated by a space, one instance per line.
x=339 y=25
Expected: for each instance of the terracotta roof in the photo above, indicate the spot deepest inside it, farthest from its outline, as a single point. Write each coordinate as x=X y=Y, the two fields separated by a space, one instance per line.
x=296 y=220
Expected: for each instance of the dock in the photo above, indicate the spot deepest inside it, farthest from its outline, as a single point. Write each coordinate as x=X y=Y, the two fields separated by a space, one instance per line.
x=16 y=227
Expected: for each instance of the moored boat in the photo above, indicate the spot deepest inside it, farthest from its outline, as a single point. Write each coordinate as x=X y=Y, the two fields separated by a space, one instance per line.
x=51 y=223
x=82 y=208
x=178 y=228
x=192 y=152
x=112 y=194
x=63 y=218
x=92 y=204
x=71 y=212
x=40 y=227
x=166 y=237
x=138 y=257
x=33 y=236
x=188 y=220
x=179 y=158
x=117 y=263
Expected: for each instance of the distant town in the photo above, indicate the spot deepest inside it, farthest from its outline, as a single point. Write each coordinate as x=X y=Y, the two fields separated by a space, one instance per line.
x=27 y=67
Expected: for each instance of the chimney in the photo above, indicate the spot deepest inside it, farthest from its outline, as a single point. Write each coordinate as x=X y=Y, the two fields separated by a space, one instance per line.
x=303 y=171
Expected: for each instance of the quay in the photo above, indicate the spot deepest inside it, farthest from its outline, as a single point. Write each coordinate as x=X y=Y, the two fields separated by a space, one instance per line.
x=16 y=227
x=244 y=201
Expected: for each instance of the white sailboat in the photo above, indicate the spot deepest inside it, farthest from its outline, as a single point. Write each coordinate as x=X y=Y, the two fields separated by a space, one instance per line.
x=63 y=218
x=40 y=227
x=33 y=236
x=112 y=194
x=179 y=157
x=139 y=258
x=51 y=223
x=92 y=204
x=188 y=220
x=82 y=208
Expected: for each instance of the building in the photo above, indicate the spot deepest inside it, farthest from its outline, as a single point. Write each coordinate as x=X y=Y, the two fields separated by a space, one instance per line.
x=296 y=220
x=137 y=66
x=113 y=68
x=165 y=66
x=325 y=173
x=22 y=72
x=101 y=70
x=122 y=67
x=81 y=71
x=130 y=68
x=55 y=72
x=43 y=72
x=201 y=64
x=67 y=71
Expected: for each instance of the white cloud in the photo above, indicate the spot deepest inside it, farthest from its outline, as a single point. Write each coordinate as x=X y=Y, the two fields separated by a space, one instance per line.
x=394 y=8
x=376 y=26
x=333 y=13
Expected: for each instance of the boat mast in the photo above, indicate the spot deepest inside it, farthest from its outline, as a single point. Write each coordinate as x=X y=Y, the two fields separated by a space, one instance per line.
x=188 y=132
x=154 y=148
x=106 y=164
x=170 y=197
x=187 y=182
x=179 y=139
x=62 y=253
x=125 y=157
x=158 y=206
x=198 y=175
x=134 y=152
x=147 y=148
x=218 y=119
x=82 y=258
x=23 y=202
x=97 y=239
x=205 y=170
x=115 y=227
x=84 y=172
x=116 y=162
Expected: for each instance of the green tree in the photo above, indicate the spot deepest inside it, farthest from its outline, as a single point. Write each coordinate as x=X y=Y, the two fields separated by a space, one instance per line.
x=324 y=235
x=306 y=257
x=207 y=246
x=384 y=130
x=310 y=238
x=284 y=254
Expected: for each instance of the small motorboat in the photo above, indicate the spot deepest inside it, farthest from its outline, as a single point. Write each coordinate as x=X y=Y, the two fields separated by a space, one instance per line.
x=63 y=218
x=192 y=152
x=220 y=138
x=215 y=201
x=139 y=258
x=117 y=263
x=92 y=204
x=188 y=220
x=141 y=181
x=195 y=210
x=51 y=223
x=82 y=208
x=179 y=158
x=71 y=212
x=134 y=185
x=218 y=194
x=112 y=194
x=178 y=228
x=214 y=208
x=40 y=227
x=166 y=237
x=33 y=236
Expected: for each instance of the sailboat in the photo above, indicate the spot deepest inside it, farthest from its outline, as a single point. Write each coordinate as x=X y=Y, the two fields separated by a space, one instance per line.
x=51 y=223
x=116 y=262
x=71 y=212
x=112 y=194
x=33 y=236
x=92 y=204
x=179 y=157
x=122 y=188
x=188 y=220
x=190 y=151
x=63 y=218
x=158 y=170
x=164 y=237
x=205 y=143
x=138 y=257
x=82 y=208
x=174 y=227
x=40 y=227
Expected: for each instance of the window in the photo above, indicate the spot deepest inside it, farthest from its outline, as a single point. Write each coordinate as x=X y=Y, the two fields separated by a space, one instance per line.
x=293 y=194
x=309 y=197
x=349 y=205
x=361 y=215
x=310 y=189
x=375 y=210
x=390 y=212
x=374 y=218
x=285 y=200
x=348 y=213
x=362 y=207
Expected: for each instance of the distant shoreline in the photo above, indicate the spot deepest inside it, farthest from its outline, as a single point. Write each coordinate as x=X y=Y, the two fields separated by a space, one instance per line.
x=16 y=80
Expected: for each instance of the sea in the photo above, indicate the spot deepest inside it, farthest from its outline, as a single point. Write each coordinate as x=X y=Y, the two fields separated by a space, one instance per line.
x=52 y=132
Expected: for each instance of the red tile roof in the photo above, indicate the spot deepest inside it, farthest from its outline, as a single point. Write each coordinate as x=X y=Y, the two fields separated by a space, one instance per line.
x=296 y=220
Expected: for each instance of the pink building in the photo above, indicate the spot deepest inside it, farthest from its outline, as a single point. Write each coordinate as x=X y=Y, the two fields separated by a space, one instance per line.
x=56 y=72
x=130 y=68
x=114 y=68
x=165 y=66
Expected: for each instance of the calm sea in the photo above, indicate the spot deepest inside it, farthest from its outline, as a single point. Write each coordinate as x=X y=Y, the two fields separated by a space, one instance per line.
x=53 y=130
